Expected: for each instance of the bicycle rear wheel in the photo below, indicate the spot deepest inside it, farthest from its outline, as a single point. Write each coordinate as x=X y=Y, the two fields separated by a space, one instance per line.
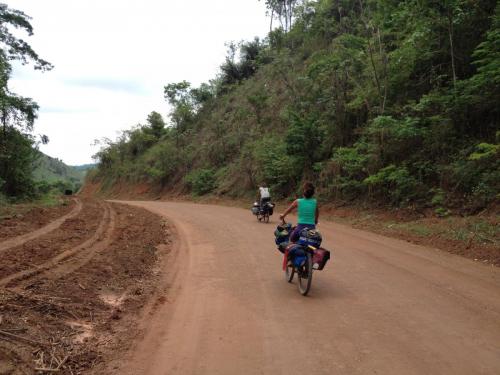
x=289 y=272
x=304 y=275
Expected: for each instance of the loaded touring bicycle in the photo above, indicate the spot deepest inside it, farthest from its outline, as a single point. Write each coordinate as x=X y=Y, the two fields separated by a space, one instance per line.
x=303 y=257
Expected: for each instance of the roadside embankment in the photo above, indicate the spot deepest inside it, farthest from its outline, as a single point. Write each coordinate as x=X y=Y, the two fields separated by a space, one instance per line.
x=475 y=237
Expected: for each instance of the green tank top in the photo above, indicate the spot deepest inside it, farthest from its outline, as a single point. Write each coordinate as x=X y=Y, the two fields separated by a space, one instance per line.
x=307 y=211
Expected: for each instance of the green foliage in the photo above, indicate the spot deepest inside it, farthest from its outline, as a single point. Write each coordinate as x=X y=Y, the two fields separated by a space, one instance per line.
x=16 y=163
x=342 y=175
x=50 y=170
x=275 y=166
x=487 y=62
x=386 y=101
x=156 y=125
x=485 y=151
x=250 y=57
x=57 y=187
x=161 y=162
x=201 y=181
x=438 y=198
x=303 y=140
x=394 y=182
x=17 y=114
x=442 y=212
x=477 y=174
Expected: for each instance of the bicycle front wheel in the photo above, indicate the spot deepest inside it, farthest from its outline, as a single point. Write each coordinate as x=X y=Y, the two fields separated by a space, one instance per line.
x=304 y=275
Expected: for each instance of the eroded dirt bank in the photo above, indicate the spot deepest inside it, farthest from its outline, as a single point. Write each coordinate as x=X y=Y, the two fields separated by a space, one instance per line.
x=69 y=298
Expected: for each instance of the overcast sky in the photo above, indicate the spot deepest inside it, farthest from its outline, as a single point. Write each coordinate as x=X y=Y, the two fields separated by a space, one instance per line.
x=113 y=57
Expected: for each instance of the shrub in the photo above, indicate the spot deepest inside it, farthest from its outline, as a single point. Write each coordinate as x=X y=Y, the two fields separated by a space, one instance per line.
x=201 y=181
x=275 y=167
x=393 y=182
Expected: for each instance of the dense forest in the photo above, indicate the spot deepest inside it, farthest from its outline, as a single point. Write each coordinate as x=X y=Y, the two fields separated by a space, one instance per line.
x=384 y=101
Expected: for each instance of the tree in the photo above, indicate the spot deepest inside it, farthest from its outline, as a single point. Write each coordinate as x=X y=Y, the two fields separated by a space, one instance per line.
x=283 y=10
x=179 y=97
x=385 y=100
x=156 y=124
x=17 y=114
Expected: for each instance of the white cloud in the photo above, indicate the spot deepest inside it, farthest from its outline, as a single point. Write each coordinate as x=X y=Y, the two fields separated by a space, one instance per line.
x=112 y=59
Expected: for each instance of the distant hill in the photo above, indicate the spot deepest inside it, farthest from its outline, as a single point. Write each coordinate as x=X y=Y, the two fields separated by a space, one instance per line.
x=50 y=169
x=83 y=167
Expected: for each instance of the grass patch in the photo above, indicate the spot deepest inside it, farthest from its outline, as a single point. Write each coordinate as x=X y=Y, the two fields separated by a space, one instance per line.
x=421 y=230
x=8 y=209
x=474 y=229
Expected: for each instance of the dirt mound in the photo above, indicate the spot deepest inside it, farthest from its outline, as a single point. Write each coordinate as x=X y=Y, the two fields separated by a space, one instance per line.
x=21 y=219
x=72 y=294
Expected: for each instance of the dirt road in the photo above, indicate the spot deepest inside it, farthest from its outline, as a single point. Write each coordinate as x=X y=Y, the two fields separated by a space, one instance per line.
x=382 y=306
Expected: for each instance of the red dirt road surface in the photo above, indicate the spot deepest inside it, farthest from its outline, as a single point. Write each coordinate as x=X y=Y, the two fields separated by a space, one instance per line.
x=381 y=306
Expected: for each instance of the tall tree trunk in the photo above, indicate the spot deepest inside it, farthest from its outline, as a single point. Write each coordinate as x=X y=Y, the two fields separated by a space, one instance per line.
x=383 y=56
x=370 y=35
x=285 y=15
x=271 y=24
x=3 y=149
x=452 y=53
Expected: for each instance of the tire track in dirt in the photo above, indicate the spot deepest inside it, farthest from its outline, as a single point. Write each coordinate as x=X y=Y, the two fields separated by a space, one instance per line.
x=22 y=239
x=81 y=311
x=70 y=260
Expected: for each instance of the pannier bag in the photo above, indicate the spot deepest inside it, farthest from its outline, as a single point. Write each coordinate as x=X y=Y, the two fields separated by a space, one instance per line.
x=310 y=237
x=270 y=207
x=320 y=257
x=282 y=236
x=297 y=254
x=255 y=208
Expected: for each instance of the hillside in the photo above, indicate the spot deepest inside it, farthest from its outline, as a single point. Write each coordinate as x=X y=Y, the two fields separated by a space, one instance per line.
x=382 y=102
x=52 y=170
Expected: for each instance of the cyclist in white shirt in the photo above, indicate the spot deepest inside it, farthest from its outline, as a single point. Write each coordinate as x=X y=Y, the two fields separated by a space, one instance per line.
x=264 y=195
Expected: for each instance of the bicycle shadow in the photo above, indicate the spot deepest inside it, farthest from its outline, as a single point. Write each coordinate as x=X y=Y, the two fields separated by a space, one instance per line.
x=320 y=288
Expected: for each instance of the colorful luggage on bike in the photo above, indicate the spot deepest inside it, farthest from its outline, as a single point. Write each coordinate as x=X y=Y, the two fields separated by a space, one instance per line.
x=310 y=237
x=297 y=254
x=282 y=236
x=320 y=257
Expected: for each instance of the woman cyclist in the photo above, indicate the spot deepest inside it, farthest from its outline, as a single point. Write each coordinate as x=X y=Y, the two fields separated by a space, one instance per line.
x=308 y=211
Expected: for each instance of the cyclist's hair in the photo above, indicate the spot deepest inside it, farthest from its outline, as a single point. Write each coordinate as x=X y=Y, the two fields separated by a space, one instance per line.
x=308 y=189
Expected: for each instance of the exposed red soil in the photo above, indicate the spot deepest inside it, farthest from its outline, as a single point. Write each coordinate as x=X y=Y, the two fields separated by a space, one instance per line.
x=71 y=233
x=78 y=313
x=436 y=232
x=24 y=219
x=122 y=190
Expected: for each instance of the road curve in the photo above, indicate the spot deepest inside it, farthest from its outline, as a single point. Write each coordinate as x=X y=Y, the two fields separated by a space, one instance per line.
x=382 y=306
